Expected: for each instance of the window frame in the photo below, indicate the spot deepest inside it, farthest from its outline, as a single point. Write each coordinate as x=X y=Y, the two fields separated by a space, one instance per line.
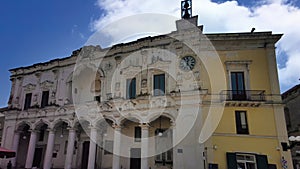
x=159 y=88
x=45 y=100
x=137 y=134
x=240 y=127
x=245 y=161
x=163 y=157
x=261 y=161
x=239 y=91
x=131 y=88
x=27 y=101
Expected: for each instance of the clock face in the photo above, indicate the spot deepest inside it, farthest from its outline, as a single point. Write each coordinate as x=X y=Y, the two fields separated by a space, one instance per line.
x=187 y=63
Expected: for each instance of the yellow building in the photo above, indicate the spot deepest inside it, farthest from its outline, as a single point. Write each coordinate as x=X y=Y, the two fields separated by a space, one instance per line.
x=252 y=127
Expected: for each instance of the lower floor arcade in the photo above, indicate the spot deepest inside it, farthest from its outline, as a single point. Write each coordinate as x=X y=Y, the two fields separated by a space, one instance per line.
x=61 y=144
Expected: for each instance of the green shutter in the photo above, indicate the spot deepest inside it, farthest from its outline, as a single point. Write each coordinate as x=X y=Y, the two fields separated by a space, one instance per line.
x=262 y=161
x=231 y=161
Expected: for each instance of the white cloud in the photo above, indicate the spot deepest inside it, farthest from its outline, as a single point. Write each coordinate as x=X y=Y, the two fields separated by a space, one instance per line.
x=278 y=16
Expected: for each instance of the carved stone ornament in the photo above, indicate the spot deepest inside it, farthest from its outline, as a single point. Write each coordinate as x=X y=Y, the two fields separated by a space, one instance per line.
x=46 y=84
x=29 y=87
x=159 y=63
x=144 y=83
x=131 y=71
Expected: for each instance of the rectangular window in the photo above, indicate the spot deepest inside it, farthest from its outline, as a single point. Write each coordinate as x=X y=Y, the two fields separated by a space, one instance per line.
x=27 y=103
x=131 y=88
x=159 y=85
x=247 y=161
x=238 y=86
x=241 y=122
x=165 y=157
x=45 y=99
x=137 y=134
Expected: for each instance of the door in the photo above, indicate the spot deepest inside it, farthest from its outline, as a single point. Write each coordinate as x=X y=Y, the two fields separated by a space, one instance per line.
x=37 y=159
x=135 y=158
x=85 y=154
x=238 y=86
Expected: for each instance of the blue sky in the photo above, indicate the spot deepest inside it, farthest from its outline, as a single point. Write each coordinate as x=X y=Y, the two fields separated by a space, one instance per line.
x=35 y=31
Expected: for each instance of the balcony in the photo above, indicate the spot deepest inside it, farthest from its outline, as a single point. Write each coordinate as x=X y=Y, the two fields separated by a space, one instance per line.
x=243 y=95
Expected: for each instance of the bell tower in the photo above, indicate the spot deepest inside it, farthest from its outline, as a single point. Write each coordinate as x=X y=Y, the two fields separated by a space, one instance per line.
x=186 y=9
x=187 y=20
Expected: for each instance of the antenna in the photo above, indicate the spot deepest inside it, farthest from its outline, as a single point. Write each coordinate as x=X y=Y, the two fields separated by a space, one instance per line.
x=186 y=9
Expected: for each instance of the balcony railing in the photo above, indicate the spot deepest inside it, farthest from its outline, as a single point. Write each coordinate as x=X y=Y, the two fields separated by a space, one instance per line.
x=243 y=95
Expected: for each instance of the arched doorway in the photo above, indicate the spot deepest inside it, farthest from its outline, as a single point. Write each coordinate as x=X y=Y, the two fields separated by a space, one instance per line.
x=162 y=143
x=131 y=143
x=24 y=131
x=61 y=131
x=40 y=147
x=104 y=148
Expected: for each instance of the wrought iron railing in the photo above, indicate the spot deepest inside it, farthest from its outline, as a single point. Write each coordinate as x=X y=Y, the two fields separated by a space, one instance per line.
x=243 y=95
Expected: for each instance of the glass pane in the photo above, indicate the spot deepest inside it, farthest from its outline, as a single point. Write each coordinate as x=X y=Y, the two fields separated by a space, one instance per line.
x=240 y=157
x=158 y=157
x=127 y=88
x=138 y=134
x=169 y=155
x=233 y=81
x=164 y=156
x=250 y=165
x=240 y=81
x=131 y=88
x=241 y=166
x=159 y=84
x=243 y=118
x=250 y=158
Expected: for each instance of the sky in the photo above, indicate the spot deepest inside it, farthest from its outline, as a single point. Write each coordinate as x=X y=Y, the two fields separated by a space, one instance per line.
x=34 y=31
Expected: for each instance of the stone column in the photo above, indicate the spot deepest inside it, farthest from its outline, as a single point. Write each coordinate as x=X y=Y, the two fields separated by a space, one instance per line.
x=70 y=148
x=15 y=147
x=117 y=147
x=174 y=141
x=31 y=149
x=92 y=151
x=49 y=150
x=144 y=146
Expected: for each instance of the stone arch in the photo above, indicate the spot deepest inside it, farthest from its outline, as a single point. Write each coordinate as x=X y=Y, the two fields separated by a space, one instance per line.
x=82 y=122
x=57 y=121
x=134 y=118
x=154 y=116
x=20 y=125
x=40 y=123
x=102 y=119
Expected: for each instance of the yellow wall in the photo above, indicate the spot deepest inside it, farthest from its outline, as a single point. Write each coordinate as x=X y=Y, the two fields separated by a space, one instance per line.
x=262 y=146
x=262 y=137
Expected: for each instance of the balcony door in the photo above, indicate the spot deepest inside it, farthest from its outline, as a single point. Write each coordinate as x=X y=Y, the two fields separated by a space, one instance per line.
x=238 y=86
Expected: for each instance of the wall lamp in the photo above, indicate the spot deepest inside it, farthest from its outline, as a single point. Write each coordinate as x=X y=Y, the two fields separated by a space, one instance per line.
x=295 y=140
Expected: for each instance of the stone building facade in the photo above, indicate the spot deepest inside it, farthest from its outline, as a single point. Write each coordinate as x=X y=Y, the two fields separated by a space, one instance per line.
x=183 y=100
x=291 y=98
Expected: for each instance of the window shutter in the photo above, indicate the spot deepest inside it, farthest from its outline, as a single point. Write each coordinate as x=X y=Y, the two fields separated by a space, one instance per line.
x=262 y=161
x=231 y=161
